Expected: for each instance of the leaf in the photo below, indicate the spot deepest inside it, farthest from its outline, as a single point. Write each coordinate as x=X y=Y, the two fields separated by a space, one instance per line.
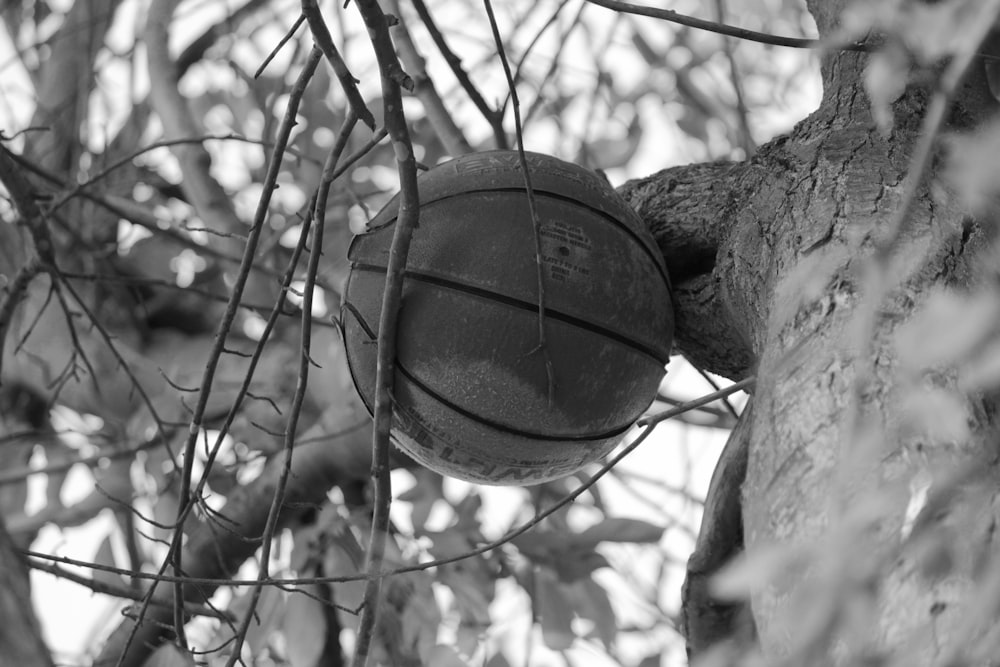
x=170 y=655
x=593 y=604
x=948 y=328
x=983 y=372
x=267 y=617
x=654 y=660
x=806 y=282
x=555 y=614
x=270 y=608
x=970 y=167
x=577 y=564
x=472 y=603
x=347 y=595
x=105 y=556
x=540 y=545
x=498 y=660
x=445 y=656
x=885 y=81
x=936 y=416
x=420 y=621
x=423 y=495
x=304 y=627
x=752 y=570
x=466 y=510
x=468 y=639
x=621 y=530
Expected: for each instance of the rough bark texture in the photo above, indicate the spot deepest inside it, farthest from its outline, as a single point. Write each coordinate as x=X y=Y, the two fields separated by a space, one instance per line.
x=824 y=191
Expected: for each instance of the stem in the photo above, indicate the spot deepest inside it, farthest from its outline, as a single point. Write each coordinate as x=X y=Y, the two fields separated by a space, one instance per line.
x=409 y=209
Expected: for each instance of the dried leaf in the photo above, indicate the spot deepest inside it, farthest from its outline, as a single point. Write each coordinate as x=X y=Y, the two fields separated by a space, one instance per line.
x=304 y=627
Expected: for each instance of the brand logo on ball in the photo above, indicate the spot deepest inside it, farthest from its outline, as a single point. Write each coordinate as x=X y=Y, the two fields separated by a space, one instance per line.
x=472 y=395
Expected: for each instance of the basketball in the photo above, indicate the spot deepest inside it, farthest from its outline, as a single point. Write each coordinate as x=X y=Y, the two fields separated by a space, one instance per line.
x=472 y=396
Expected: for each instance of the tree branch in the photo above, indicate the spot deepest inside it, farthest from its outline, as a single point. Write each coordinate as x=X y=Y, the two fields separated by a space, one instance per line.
x=20 y=636
x=210 y=201
x=440 y=118
x=318 y=465
x=690 y=210
x=723 y=29
x=393 y=79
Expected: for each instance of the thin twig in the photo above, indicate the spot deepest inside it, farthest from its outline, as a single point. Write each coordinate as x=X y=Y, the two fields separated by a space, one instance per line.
x=721 y=29
x=555 y=60
x=320 y=33
x=647 y=425
x=442 y=120
x=715 y=385
x=225 y=325
x=536 y=223
x=406 y=221
x=705 y=400
x=493 y=116
x=746 y=140
x=22 y=193
x=120 y=591
x=305 y=343
x=281 y=43
x=163 y=143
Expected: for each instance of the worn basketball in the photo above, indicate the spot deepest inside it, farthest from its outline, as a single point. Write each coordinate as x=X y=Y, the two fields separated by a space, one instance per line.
x=472 y=398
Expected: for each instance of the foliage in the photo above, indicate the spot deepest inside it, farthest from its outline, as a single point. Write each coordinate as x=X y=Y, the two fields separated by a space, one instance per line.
x=180 y=187
x=146 y=134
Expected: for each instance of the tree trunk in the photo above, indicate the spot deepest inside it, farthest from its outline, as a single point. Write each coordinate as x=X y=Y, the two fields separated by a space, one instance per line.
x=833 y=451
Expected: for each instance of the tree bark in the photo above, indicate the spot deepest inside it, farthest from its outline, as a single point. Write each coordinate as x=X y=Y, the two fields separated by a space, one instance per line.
x=793 y=232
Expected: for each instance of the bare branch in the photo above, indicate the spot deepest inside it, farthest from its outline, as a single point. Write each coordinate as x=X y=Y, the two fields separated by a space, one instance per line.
x=210 y=201
x=20 y=637
x=493 y=116
x=305 y=345
x=324 y=41
x=406 y=221
x=722 y=29
x=440 y=118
